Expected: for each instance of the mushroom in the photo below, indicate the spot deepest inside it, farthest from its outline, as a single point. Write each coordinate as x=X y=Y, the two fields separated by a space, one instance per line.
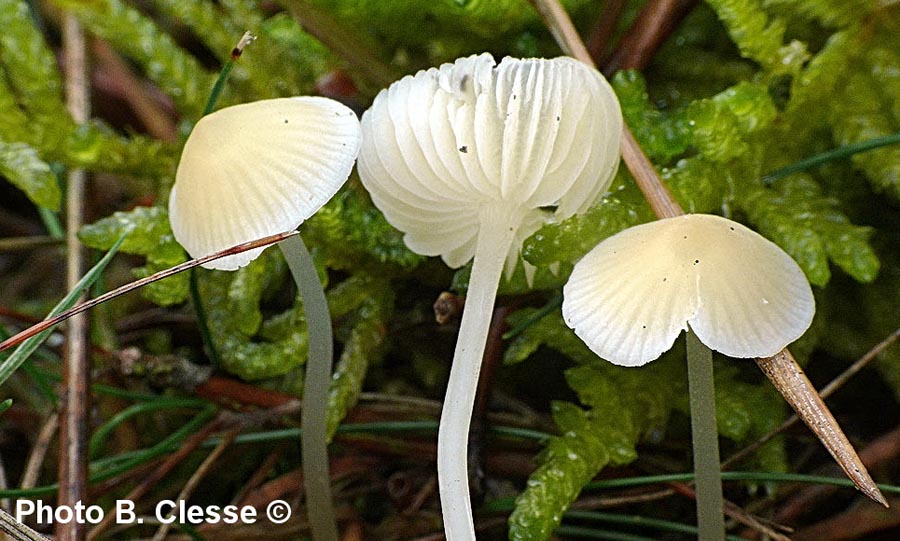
x=259 y=169
x=464 y=159
x=731 y=289
x=633 y=294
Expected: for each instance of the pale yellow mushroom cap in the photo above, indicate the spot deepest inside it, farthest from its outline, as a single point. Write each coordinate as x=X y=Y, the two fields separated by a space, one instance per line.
x=442 y=146
x=631 y=296
x=259 y=169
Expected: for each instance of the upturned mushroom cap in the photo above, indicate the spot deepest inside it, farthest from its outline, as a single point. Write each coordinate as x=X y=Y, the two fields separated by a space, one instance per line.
x=633 y=294
x=258 y=169
x=444 y=146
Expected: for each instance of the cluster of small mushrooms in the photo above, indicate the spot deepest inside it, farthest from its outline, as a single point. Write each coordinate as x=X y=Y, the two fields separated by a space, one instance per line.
x=467 y=160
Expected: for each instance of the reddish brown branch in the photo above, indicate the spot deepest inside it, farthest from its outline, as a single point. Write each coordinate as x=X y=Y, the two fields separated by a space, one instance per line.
x=884 y=450
x=493 y=355
x=601 y=33
x=853 y=524
x=653 y=25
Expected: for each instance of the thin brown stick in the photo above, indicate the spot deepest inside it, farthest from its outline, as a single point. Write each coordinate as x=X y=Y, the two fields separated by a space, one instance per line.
x=73 y=426
x=190 y=444
x=656 y=21
x=655 y=192
x=48 y=323
x=788 y=377
x=491 y=358
x=781 y=369
x=345 y=42
x=15 y=244
x=259 y=476
x=17 y=530
x=827 y=391
x=883 y=450
x=198 y=476
x=156 y=120
x=600 y=34
x=603 y=502
x=854 y=523
x=735 y=512
x=39 y=452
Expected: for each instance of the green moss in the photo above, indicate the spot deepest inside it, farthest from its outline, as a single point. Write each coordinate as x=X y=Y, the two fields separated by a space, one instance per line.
x=22 y=166
x=148 y=234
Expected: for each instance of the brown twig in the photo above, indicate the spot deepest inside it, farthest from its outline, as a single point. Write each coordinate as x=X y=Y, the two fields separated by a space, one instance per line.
x=27 y=243
x=599 y=36
x=157 y=121
x=198 y=476
x=48 y=323
x=492 y=357
x=17 y=530
x=827 y=391
x=601 y=502
x=883 y=450
x=791 y=382
x=645 y=176
x=656 y=21
x=189 y=445
x=735 y=512
x=259 y=476
x=39 y=451
x=74 y=422
x=852 y=524
x=345 y=42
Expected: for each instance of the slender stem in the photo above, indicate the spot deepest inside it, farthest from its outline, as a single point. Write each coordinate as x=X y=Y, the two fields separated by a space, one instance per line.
x=705 y=435
x=313 y=419
x=494 y=240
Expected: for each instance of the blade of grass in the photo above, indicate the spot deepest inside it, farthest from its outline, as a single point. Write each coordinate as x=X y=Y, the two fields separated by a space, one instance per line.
x=11 y=363
x=836 y=154
x=102 y=432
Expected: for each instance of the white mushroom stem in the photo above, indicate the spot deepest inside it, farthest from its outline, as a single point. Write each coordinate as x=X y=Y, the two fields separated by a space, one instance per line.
x=705 y=440
x=313 y=420
x=787 y=376
x=495 y=237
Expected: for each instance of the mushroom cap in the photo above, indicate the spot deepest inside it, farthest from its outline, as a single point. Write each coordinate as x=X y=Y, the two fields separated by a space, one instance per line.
x=631 y=296
x=444 y=145
x=259 y=169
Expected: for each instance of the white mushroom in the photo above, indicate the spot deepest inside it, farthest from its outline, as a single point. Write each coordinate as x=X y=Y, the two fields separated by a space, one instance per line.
x=731 y=289
x=259 y=169
x=462 y=158
x=631 y=296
